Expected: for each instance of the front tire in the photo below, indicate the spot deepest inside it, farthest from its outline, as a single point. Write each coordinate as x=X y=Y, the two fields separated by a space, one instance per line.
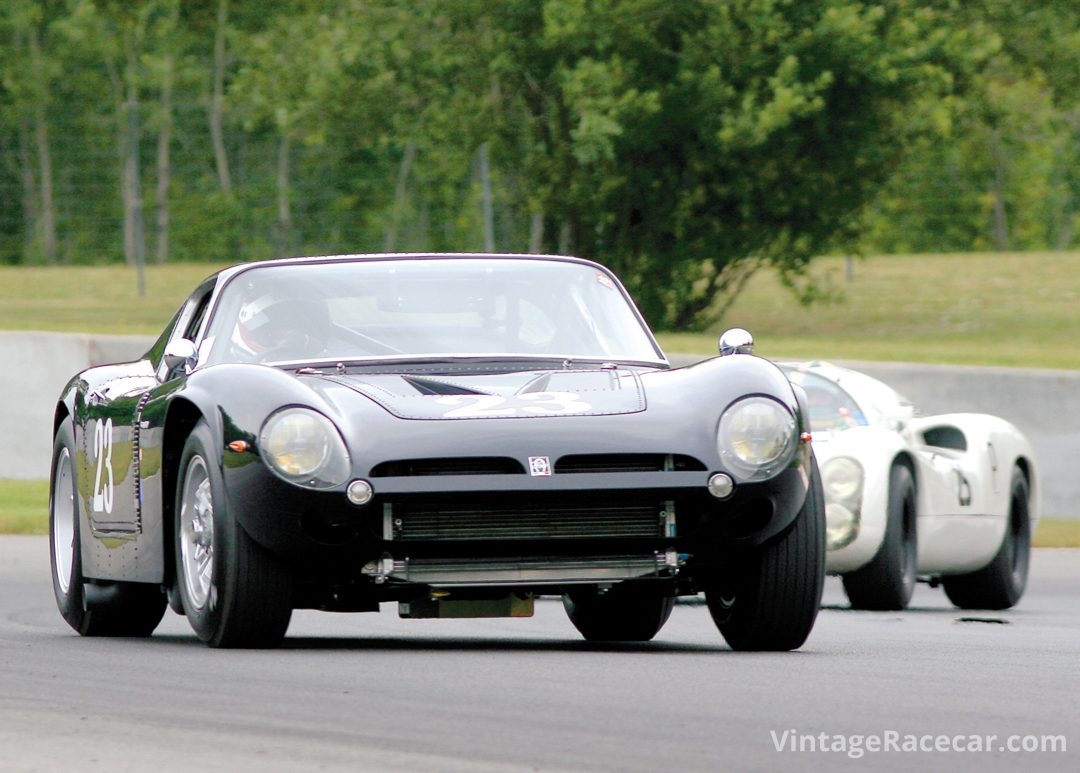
x=769 y=600
x=888 y=581
x=1001 y=583
x=626 y=612
x=233 y=591
x=119 y=608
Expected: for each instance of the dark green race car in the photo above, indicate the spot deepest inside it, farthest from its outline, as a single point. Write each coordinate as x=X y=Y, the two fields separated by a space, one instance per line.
x=457 y=433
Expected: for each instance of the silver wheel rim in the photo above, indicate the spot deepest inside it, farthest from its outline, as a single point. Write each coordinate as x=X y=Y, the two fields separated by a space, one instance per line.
x=197 y=533
x=63 y=504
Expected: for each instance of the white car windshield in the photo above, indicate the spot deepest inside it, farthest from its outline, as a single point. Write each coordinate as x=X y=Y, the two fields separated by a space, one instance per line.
x=425 y=307
x=831 y=408
x=861 y=400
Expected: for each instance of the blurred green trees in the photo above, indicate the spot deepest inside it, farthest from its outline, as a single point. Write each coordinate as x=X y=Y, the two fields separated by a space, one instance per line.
x=685 y=143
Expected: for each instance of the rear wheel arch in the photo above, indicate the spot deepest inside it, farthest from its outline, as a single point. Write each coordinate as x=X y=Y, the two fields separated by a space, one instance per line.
x=1024 y=465
x=60 y=415
x=1002 y=582
x=113 y=608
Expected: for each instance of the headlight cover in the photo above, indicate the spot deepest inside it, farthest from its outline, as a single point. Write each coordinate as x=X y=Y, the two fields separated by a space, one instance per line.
x=842 y=478
x=305 y=448
x=756 y=438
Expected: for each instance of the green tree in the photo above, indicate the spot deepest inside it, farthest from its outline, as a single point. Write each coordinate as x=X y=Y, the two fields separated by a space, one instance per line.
x=29 y=74
x=689 y=144
x=1003 y=175
x=686 y=144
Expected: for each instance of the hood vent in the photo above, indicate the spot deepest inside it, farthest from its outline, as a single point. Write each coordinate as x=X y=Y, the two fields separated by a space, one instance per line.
x=434 y=386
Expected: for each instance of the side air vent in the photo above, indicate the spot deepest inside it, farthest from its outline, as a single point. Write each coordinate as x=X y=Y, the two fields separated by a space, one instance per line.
x=598 y=463
x=501 y=465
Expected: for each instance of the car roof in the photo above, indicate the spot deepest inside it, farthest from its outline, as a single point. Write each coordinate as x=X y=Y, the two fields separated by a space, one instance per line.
x=239 y=268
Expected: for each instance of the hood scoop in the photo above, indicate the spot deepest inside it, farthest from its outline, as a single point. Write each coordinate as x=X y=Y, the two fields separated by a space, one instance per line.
x=529 y=394
x=434 y=386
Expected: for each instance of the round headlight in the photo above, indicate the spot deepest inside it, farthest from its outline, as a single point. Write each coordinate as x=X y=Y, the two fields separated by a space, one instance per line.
x=842 y=479
x=304 y=447
x=841 y=526
x=756 y=438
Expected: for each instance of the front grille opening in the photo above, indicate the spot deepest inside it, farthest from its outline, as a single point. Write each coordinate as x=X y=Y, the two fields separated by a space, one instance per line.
x=593 y=463
x=474 y=465
x=489 y=521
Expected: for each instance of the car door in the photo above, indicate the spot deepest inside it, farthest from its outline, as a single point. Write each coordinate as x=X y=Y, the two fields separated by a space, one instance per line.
x=119 y=445
x=109 y=440
x=154 y=407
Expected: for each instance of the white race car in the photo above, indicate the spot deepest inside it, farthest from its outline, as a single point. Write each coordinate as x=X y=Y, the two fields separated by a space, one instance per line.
x=949 y=499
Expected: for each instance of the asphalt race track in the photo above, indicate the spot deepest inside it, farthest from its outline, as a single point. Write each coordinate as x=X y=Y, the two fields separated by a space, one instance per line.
x=924 y=688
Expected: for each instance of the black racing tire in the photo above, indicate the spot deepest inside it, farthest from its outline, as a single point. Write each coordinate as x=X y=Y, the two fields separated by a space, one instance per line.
x=888 y=581
x=626 y=612
x=1001 y=583
x=769 y=599
x=119 y=608
x=233 y=591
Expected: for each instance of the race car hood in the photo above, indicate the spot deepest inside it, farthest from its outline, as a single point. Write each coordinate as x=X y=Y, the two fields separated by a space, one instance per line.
x=501 y=395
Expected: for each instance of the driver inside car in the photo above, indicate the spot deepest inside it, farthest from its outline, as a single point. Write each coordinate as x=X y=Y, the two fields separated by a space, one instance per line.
x=270 y=328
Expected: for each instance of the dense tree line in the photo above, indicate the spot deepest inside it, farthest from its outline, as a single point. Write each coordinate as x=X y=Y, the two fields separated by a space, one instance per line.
x=686 y=143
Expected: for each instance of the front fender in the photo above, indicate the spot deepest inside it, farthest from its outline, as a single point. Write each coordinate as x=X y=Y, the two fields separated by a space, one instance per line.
x=876 y=450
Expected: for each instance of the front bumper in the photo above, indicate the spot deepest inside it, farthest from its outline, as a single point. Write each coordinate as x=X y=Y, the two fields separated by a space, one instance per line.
x=512 y=530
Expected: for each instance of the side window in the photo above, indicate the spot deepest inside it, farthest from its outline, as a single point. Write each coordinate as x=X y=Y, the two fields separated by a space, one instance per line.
x=191 y=330
x=186 y=324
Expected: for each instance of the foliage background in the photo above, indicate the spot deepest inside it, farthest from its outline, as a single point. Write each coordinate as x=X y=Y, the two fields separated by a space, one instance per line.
x=687 y=144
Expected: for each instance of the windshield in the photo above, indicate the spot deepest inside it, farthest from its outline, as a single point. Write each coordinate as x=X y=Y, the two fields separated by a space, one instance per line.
x=417 y=307
x=831 y=408
x=861 y=400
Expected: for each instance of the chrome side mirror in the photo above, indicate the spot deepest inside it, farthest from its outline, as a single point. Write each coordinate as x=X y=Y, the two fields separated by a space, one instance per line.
x=736 y=341
x=180 y=352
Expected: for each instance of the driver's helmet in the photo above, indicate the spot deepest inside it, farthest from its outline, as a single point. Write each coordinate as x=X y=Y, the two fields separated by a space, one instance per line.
x=267 y=324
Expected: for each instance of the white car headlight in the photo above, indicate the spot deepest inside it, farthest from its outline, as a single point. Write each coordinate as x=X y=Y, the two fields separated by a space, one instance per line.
x=304 y=447
x=756 y=438
x=841 y=526
x=842 y=478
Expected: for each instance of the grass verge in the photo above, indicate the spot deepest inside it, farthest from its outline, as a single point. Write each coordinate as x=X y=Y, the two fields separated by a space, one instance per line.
x=1057 y=533
x=1000 y=309
x=95 y=299
x=24 y=506
x=1003 y=309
